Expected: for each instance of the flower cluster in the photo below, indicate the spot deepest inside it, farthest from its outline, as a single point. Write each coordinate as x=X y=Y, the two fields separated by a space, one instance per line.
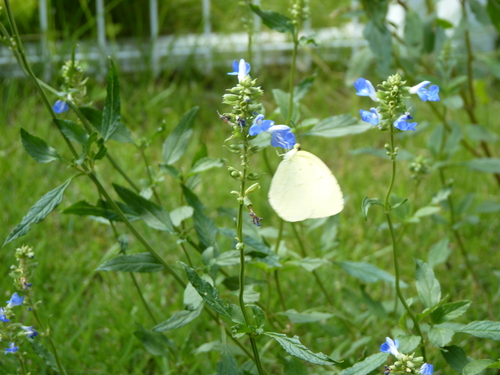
x=74 y=87
x=405 y=364
x=391 y=96
x=9 y=329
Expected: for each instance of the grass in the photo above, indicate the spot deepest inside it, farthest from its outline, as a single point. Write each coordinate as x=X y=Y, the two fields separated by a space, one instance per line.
x=93 y=315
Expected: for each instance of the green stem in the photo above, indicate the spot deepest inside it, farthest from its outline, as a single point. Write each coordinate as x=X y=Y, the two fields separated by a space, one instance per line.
x=276 y=275
x=151 y=180
x=21 y=363
x=315 y=274
x=292 y=77
x=395 y=245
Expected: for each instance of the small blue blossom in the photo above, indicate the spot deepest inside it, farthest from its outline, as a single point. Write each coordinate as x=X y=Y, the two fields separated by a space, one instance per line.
x=390 y=346
x=11 y=349
x=426 y=369
x=3 y=317
x=365 y=88
x=260 y=125
x=60 y=106
x=372 y=116
x=15 y=300
x=30 y=332
x=431 y=95
x=402 y=124
x=240 y=69
x=282 y=136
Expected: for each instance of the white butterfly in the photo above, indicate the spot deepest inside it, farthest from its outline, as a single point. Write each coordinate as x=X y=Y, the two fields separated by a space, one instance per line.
x=303 y=187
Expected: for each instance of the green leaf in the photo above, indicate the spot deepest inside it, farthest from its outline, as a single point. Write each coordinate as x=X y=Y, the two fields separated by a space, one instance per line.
x=180 y=214
x=209 y=294
x=408 y=343
x=228 y=365
x=294 y=366
x=439 y=252
x=426 y=211
x=455 y=357
x=179 y=319
x=170 y=170
x=488 y=165
x=303 y=87
x=367 y=272
x=274 y=20
x=176 y=143
x=380 y=41
x=308 y=263
x=494 y=365
x=488 y=207
x=205 y=164
x=121 y=134
x=367 y=203
x=73 y=131
x=413 y=33
x=439 y=337
x=155 y=343
x=39 y=211
x=453 y=102
x=103 y=209
x=485 y=329
x=111 y=113
x=493 y=9
x=480 y=12
x=205 y=227
x=294 y=347
x=258 y=315
x=142 y=262
x=476 y=367
x=367 y=365
x=283 y=101
x=338 y=126
x=45 y=354
x=444 y=23
x=449 y=311
x=428 y=286
x=153 y=215
x=479 y=133
x=38 y=149
x=305 y=317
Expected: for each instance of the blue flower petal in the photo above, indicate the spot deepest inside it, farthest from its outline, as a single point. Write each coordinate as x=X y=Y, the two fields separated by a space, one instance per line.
x=390 y=346
x=365 y=88
x=426 y=369
x=433 y=95
x=15 y=300
x=282 y=136
x=30 y=331
x=3 y=317
x=11 y=349
x=260 y=125
x=60 y=106
x=371 y=116
x=241 y=69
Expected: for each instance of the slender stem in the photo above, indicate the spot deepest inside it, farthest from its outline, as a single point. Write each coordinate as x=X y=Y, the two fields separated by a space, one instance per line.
x=144 y=302
x=395 y=244
x=278 y=287
x=292 y=77
x=21 y=363
x=151 y=180
x=314 y=272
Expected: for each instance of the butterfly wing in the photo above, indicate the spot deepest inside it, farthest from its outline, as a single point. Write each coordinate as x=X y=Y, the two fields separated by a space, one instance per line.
x=303 y=187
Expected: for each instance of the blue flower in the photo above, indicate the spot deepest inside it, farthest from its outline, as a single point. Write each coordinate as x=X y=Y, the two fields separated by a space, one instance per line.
x=372 y=116
x=402 y=124
x=260 y=125
x=426 y=369
x=15 y=300
x=365 y=88
x=3 y=317
x=431 y=95
x=282 y=136
x=390 y=346
x=240 y=69
x=30 y=331
x=11 y=349
x=60 y=106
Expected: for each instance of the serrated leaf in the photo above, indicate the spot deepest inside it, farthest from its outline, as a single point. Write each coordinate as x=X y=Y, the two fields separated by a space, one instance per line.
x=274 y=20
x=476 y=367
x=111 y=113
x=153 y=215
x=142 y=262
x=439 y=337
x=176 y=143
x=484 y=328
x=94 y=116
x=39 y=211
x=367 y=365
x=367 y=272
x=73 y=131
x=294 y=347
x=428 y=286
x=228 y=365
x=38 y=149
x=179 y=319
x=155 y=343
x=84 y=208
x=258 y=315
x=338 y=126
x=488 y=165
x=283 y=101
x=209 y=294
x=305 y=317
x=206 y=163
x=45 y=354
x=455 y=356
x=367 y=203
x=449 y=311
